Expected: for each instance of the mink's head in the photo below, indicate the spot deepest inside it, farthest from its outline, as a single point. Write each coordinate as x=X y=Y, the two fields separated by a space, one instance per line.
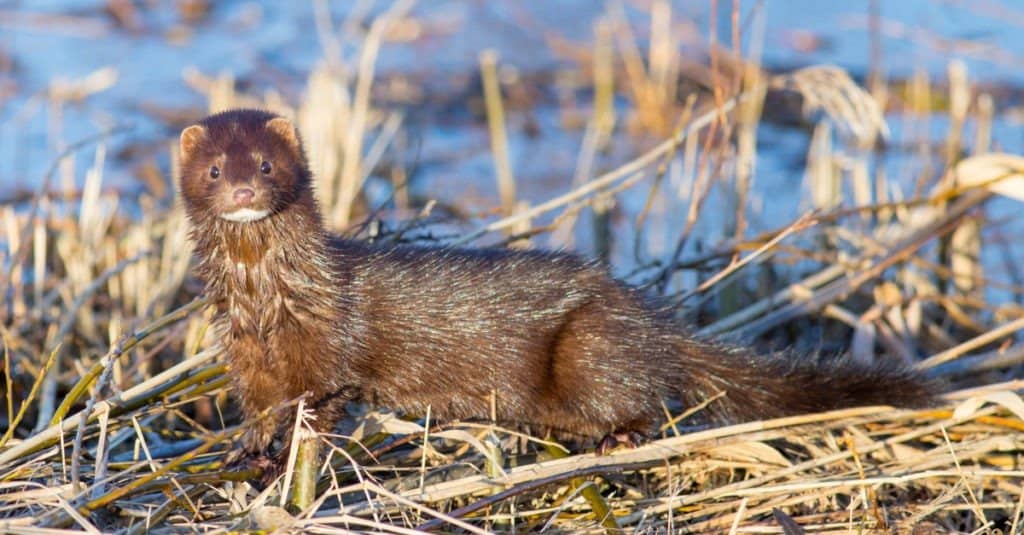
x=242 y=166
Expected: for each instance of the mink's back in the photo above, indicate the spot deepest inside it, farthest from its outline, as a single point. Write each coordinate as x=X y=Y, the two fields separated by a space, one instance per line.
x=544 y=333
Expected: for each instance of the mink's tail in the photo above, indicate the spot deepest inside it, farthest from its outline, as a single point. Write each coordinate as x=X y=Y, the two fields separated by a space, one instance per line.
x=748 y=386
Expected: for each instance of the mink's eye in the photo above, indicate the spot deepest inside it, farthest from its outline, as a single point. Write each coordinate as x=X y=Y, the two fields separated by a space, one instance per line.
x=265 y=167
x=214 y=171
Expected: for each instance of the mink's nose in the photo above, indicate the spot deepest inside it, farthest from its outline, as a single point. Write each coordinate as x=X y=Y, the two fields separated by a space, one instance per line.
x=243 y=196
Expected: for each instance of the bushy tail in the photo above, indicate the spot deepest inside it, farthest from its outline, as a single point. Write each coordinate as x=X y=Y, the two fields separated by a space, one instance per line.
x=756 y=387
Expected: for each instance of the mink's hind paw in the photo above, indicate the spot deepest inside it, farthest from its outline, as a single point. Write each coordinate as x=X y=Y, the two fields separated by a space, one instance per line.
x=609 y=442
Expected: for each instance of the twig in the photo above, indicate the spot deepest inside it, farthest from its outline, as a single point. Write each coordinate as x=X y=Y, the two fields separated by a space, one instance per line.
x=76 y=447
x=598 y=505
x=606 y=179
x=13 y=424
x=974 y=343
x=806 y=221
x=157 y=516
x=496 y=126
x=989 y=360
x=48 y=399
x=439 y=517
x=126 y=344
x=125 y=490
x=49 y=436
x=899 y=251
x=351 y=170
x=797 y=290
x=655 y=452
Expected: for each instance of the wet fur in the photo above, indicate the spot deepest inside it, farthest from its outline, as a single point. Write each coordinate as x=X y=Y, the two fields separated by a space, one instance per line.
x=557 y=341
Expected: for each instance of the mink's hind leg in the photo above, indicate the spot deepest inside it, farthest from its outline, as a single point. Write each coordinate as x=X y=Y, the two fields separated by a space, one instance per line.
x=602 y=379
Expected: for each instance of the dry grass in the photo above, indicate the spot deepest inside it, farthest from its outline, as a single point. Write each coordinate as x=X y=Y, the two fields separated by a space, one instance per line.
x=118 y=410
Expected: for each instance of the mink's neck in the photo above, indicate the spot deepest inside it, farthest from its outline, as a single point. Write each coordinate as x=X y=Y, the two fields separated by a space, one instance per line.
x=284 y=255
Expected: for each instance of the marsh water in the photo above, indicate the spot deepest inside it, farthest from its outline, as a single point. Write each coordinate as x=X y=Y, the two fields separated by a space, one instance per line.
x=138 y=67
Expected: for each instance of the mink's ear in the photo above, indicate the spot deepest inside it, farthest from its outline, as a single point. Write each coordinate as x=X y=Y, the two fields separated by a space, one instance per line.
x=191 y=137
x=286 y=131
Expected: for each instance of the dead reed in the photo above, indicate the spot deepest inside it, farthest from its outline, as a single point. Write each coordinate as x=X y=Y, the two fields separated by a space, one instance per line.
x=118 y=410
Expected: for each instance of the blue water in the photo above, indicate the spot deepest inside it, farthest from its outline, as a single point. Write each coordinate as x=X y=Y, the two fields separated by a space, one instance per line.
x=273 y=45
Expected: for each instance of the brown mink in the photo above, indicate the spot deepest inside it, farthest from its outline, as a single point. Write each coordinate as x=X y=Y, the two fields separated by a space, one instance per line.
x=555 y=340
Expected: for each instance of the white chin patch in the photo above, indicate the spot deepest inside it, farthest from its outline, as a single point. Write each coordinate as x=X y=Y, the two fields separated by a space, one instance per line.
x=245 y=215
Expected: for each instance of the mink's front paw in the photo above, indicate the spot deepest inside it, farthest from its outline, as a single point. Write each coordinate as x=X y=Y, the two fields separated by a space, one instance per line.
x=264 y=467
x=271 y=467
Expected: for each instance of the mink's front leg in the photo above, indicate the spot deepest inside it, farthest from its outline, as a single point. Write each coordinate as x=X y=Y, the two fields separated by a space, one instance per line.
x=257 y=443
x=255 y=451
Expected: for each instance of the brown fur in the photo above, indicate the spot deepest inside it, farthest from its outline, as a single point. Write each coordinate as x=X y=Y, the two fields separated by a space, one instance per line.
x=555 y=339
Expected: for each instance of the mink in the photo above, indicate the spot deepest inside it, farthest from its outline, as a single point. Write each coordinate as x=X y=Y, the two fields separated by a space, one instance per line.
x=554 y=340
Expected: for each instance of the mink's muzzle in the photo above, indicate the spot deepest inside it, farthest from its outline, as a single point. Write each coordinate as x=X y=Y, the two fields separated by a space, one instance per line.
x=243 y=196
x=243 y=200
